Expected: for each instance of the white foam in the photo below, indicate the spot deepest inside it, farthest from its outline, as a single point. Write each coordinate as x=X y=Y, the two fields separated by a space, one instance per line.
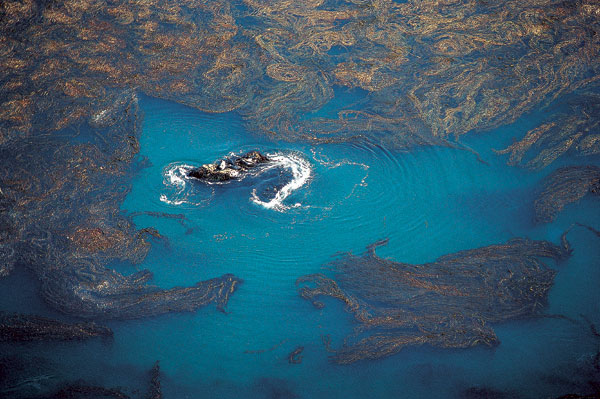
x=175 y=179
x=301 y=172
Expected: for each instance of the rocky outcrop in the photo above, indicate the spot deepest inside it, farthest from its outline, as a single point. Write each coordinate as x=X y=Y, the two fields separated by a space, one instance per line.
x=228 y=168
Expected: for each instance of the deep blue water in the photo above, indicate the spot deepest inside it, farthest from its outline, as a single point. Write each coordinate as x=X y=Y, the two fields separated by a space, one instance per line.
x=428 y=202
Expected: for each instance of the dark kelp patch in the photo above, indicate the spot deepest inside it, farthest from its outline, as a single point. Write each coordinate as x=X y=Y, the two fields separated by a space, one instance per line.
x=449 y=303
x=565 y=186
x=62 y=221
x=431 y=71
x=22 y=328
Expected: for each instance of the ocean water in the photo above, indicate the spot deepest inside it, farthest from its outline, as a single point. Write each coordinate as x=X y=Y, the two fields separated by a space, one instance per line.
x=292 y=220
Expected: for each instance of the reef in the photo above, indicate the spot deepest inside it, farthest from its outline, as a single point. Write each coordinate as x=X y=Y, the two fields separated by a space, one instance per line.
x=231 y=168
x=449 y=303
x=61 y=219
x=21 y=327
x=427 y=71
x=564 y=186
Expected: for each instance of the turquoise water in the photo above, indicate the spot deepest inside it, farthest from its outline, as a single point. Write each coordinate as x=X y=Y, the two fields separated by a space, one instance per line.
x=428 y=202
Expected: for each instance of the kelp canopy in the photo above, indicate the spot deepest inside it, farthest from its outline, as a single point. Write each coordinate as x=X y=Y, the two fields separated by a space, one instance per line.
x=431 y=70
x=564 y=186
x=449 y=303
x=60 y=218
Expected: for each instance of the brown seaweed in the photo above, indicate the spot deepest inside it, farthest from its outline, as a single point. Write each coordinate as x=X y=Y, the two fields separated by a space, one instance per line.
x=430 y=71
x=564 y=186
x=155 y=392
x=449 y=303
x=62 y=221
x=574 y=132
x=21 y=327
x=295 y=356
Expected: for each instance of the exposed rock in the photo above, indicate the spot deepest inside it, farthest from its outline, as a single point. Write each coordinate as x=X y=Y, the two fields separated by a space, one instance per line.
x=228 y=168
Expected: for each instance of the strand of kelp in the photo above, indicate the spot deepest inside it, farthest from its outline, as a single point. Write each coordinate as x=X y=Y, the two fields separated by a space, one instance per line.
x=449 y=303
x=574 y=132
x=62 y=220
x=564 y=186
x=429 y=71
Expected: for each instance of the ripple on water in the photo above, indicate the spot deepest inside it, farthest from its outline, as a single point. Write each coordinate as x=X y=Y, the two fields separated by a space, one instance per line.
x=405 y=196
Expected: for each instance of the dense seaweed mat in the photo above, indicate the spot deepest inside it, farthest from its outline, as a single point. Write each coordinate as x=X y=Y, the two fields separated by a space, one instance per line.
x=21 y=328
x=430 y=70
x=568 y=132
x=61 y=220
x=448 y=303
x=565 y=186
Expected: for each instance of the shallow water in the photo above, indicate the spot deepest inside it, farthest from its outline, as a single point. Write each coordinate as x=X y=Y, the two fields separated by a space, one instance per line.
x=340 y=197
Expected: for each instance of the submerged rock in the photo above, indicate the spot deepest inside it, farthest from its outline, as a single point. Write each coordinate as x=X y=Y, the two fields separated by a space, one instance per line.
x=228 y=168
x=21 y=327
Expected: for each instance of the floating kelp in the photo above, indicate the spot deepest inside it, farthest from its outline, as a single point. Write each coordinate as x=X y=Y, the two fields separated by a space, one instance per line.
x=21 y=327
x=155 y=391
x=575 y=132
x=564 y=186
x=61 y=208
x=449 y=303
x=295 y=356
x=429 y=70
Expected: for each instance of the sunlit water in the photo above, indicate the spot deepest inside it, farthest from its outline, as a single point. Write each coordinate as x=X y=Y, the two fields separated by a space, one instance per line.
x=289 y=219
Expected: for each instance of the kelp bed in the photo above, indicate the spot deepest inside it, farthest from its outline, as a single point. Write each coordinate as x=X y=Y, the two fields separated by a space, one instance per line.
x=430 y=70
x=564 y=186
x=61 y=220
x=449 y=303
